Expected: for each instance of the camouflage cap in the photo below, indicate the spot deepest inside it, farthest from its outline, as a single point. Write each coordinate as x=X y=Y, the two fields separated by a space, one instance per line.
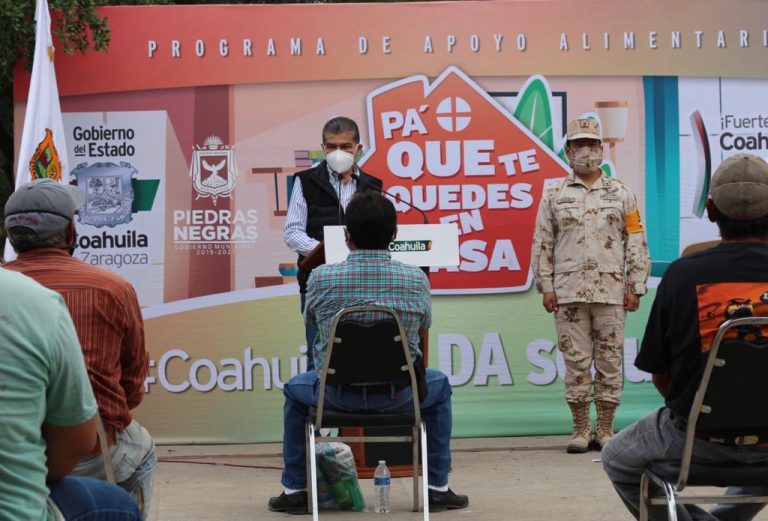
x=42 y=206
x=739 y=187
x=584 y=129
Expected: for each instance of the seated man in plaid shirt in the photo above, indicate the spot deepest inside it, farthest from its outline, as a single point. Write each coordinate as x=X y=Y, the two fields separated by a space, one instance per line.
x=368 y=277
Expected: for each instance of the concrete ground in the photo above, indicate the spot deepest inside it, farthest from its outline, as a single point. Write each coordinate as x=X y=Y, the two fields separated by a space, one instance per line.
x=521 y=479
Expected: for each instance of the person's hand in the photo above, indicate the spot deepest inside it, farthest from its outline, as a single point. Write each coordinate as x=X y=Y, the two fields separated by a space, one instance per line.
x=550 y=302
x=631 y=302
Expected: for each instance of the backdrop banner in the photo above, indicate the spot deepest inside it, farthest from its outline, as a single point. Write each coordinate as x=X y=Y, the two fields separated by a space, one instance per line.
x=185 y=136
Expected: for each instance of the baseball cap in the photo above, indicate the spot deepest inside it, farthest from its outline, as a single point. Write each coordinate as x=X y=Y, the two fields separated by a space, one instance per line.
x=41 y=205
x=584 y=128
x=739 y=187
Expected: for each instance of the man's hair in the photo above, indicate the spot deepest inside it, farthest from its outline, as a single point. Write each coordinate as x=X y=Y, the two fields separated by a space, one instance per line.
x=371 y=220
x=734 y=229
x=340 y=125
x=24 y=239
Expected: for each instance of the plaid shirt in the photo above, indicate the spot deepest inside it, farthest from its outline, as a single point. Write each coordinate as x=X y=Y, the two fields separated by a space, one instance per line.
x=108 y=321
x=368 y=277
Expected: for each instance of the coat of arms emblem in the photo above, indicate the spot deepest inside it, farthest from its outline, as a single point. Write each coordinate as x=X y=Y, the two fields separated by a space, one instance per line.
x=45 y=160
x=108 y=193
x=213 y=169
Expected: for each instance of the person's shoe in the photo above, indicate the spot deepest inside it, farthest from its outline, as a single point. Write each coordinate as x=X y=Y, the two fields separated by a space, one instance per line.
x=448 y=500
x=582 y=428
x=295 y=503
x=604 y=426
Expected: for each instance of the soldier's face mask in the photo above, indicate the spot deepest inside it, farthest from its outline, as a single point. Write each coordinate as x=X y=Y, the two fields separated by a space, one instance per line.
x=585 y=157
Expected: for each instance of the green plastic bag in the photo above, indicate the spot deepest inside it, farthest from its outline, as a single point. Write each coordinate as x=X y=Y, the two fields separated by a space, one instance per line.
x=337 y=466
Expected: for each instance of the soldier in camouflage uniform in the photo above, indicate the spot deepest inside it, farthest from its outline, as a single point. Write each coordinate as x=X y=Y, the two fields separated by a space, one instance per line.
x=591 y=262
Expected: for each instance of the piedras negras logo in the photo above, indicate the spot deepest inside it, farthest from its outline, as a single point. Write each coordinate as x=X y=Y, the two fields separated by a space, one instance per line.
x=213 y=169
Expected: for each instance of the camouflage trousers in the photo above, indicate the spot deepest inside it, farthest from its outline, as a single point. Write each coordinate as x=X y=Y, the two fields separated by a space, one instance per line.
x=590 y=334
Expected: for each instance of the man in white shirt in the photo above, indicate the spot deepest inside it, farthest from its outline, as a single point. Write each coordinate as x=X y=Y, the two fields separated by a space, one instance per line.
x=319 y=198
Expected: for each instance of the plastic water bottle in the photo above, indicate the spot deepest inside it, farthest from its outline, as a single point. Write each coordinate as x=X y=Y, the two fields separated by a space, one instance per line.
x=381 y=488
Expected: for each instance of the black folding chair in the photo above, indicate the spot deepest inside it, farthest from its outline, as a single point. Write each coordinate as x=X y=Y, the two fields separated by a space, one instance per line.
x=729 y=405
x=359 y=353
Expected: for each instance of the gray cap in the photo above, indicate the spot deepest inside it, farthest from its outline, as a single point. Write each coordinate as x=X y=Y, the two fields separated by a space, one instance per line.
x=42 y=206
x=739 y=187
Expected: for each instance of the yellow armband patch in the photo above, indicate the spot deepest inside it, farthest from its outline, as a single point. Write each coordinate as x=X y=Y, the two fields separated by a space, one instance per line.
x=633 y=223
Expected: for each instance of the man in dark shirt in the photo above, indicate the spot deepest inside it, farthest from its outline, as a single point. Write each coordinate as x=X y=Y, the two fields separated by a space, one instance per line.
x=697 y=294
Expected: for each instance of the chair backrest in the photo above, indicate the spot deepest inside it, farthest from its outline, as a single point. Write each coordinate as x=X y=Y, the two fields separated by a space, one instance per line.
x=364 y=352
x=368 y=352
x=731 y=396
x=698 y=246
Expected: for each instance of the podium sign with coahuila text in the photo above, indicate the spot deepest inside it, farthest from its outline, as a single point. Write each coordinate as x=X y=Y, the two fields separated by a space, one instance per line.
x=430 y=245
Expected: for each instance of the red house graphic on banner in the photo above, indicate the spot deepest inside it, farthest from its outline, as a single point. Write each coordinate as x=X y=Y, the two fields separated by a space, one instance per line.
x=453 y=151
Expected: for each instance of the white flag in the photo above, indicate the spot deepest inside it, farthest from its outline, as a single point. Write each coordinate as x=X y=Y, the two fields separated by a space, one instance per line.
x=43 y=151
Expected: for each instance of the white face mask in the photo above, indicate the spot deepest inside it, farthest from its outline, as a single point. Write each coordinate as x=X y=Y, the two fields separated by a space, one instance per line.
x=340 y=161
x=585 y=159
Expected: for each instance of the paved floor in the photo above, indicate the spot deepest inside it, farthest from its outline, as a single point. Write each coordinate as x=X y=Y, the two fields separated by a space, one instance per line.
x=521 y=479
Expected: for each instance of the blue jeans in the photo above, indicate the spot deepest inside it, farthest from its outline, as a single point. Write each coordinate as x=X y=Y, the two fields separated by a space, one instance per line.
x=301 y=393
x=310 y=332
x=654 y=440
x=133 y=460
x=87 y=499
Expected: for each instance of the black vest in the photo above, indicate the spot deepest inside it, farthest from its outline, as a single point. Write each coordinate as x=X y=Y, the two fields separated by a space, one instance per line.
x=323 y=204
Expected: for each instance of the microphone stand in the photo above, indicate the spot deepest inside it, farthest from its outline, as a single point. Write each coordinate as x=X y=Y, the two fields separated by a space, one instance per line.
x=423 y=338
x=338 y=195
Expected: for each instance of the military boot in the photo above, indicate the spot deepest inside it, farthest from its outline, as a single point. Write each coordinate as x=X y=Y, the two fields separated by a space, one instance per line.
x=582 y=428
x=604 y=425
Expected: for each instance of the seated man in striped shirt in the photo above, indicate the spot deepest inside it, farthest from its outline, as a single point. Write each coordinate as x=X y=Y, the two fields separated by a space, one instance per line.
x=39 y=221
x=369 y=276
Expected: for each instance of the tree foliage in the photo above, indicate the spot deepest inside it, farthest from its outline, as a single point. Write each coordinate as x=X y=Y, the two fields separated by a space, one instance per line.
x=77 y=25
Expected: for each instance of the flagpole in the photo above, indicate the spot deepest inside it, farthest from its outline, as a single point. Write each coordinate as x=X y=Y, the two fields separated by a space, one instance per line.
x=43 y=151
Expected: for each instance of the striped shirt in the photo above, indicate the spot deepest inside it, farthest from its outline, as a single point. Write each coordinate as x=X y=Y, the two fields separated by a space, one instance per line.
x=295 y=230
x=368 y=277
x=108 y=322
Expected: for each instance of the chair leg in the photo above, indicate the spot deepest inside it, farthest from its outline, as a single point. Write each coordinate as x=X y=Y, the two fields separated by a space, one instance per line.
x=644 y=497
x=106 y=456
x=424 y=471
x=308 y=469
x=669 y=490
x=312 y=475
x=415 y=464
